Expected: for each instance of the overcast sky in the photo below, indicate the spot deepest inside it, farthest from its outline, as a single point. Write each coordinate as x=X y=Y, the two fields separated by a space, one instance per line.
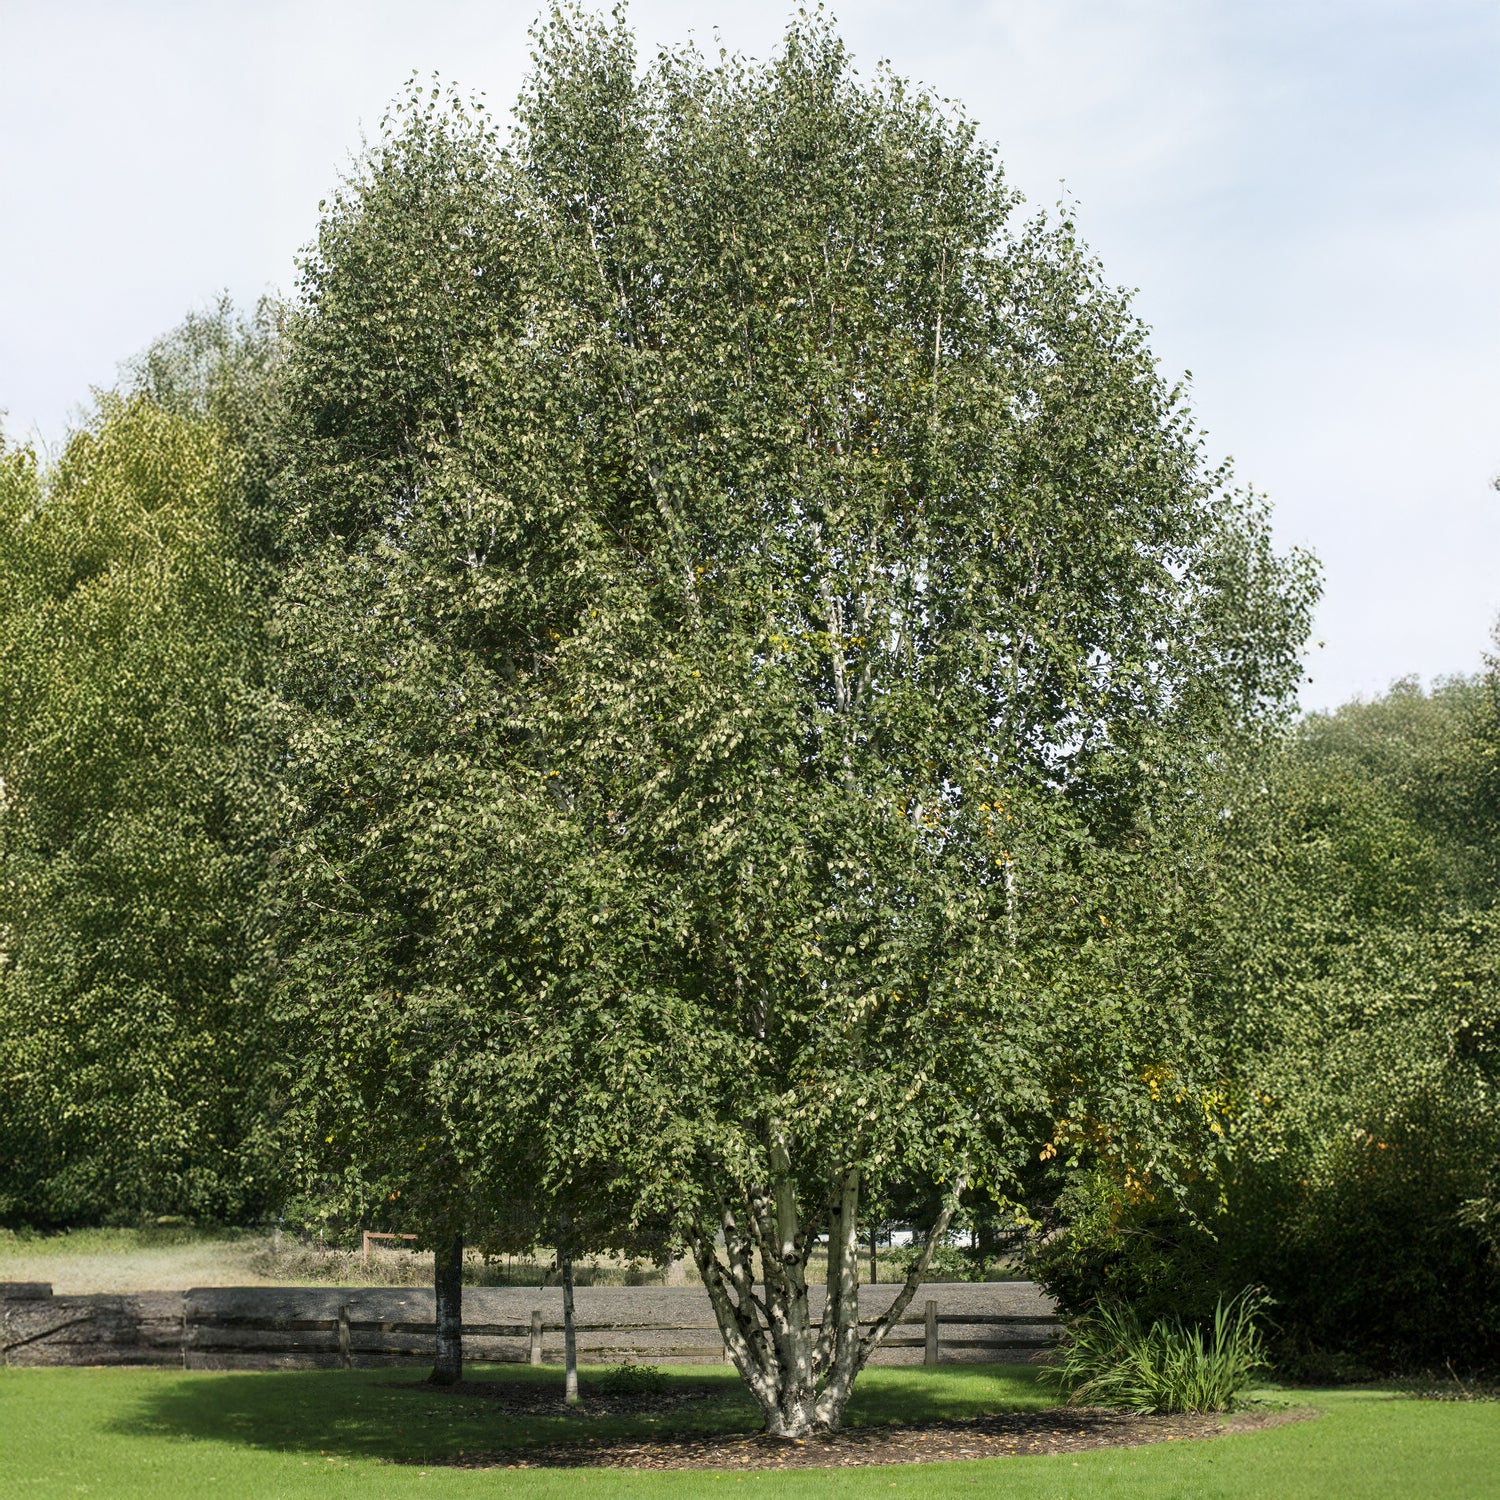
x=1305 y=192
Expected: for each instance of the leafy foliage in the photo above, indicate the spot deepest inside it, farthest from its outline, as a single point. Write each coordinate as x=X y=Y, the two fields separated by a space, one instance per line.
x=130 y=1060
x=759 y=633
x=1356 y=953
x=222 y=366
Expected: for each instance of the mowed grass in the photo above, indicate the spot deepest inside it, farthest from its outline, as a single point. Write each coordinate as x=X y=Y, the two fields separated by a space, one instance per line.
x=174 y=1257
x=158 y=1259
x=158 y=1433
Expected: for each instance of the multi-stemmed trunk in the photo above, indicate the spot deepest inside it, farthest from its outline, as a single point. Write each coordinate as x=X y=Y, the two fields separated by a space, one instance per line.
x=802 y=1373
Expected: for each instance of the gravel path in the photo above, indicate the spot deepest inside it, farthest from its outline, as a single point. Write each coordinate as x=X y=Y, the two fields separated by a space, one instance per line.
x=650 y=1324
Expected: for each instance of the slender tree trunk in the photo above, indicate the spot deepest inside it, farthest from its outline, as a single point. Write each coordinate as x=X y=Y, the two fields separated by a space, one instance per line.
x=840 y=1344
x=570 y=1339
x=874 y=1264
x=448 y=1283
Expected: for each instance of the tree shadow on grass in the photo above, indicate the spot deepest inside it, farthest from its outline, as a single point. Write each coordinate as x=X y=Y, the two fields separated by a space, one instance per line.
x=393 y=1415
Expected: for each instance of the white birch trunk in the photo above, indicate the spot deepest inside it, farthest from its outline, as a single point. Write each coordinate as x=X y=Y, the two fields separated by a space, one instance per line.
x=801 y=1374
x=570 y=1337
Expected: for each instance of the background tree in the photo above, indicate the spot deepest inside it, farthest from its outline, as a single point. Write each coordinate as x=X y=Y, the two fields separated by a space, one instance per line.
x=222 y=366
x=128 y=631
x=1357 y=968
x=759 y=633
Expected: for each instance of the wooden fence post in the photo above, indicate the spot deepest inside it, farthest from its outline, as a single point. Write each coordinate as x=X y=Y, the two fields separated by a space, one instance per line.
x=536 y=1337
x=346 y=1353
x=930 y=1311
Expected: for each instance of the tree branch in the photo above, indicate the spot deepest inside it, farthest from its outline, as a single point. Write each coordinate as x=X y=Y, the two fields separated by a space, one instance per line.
x=883 y=1325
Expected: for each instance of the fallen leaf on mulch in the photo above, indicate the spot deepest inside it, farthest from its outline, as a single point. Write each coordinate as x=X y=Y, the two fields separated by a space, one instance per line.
x=995 y=1435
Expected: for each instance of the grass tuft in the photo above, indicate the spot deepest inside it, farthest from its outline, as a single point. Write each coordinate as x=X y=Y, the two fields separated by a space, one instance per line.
x=1113 y=1359
x=631 y=1379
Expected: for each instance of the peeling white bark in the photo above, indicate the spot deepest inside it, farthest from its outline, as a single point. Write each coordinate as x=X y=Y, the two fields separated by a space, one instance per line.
x=801 y=1373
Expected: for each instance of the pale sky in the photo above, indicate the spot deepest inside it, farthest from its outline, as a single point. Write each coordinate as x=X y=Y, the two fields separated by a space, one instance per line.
x=1305 y=192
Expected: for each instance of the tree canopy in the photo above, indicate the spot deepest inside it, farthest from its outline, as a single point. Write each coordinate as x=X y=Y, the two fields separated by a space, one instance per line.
x=696 y=693
x=131 y=1058
x=760 y=634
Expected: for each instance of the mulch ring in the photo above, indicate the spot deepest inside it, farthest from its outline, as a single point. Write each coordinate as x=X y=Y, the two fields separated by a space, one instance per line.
x=996 y=1435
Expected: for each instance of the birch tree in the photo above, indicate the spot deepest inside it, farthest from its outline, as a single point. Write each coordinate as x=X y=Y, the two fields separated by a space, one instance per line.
x=761 y=635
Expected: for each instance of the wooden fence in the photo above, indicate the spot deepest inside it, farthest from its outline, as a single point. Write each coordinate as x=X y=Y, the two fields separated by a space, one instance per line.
x=316 y=1327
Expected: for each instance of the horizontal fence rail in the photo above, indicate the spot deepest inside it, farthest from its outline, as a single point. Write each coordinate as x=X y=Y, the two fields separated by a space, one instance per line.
x=318 y=1327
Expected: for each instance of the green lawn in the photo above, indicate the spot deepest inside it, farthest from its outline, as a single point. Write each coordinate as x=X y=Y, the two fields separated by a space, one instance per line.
x=163 y=1433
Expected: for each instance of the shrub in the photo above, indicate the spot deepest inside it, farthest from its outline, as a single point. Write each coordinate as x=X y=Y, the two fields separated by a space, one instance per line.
x=629 y=1379
x=1373 y=1264
x=1116 y=1359
x=947 y=1263
x=1152 y=1253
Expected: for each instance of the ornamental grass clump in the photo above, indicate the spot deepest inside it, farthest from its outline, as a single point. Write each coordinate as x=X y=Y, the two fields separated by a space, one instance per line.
x=1113 y=1359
